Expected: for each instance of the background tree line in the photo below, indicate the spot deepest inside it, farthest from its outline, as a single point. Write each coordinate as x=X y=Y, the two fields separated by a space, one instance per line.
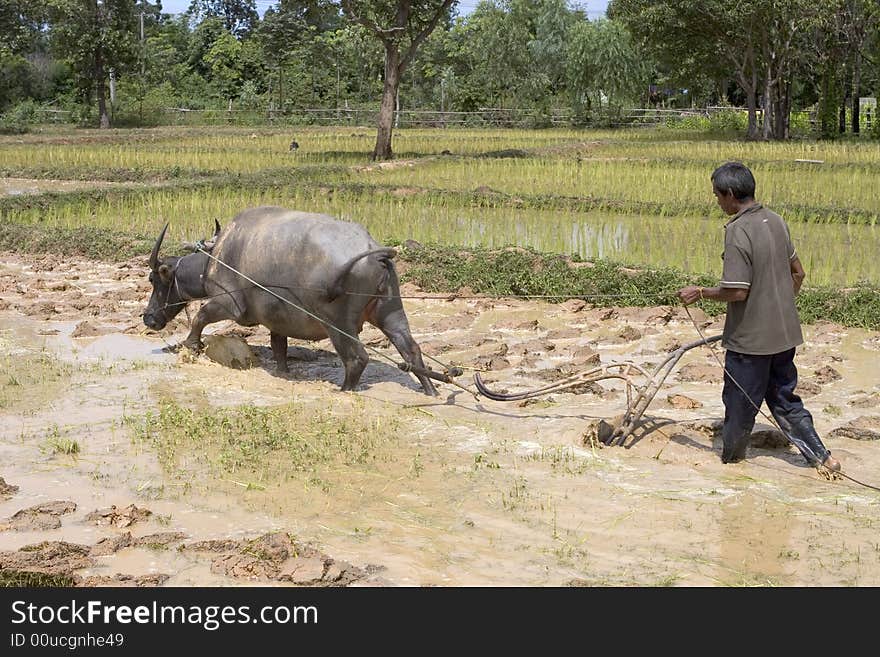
x=121 y=62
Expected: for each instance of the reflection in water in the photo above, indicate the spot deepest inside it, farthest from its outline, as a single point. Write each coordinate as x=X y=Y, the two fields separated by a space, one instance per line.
x=833 y=254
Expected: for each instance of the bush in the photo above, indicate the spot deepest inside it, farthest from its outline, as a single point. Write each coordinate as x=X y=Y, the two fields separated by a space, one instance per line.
x=728 y=121
x=18 y=120
x=131 y=111
x=689 y=122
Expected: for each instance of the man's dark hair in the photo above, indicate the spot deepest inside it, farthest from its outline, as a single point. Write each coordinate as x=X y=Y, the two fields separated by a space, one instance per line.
x=734 y=177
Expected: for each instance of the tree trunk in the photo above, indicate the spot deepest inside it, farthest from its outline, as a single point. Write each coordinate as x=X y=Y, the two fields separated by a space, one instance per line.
x=389 y=99
x=767 y=128
x=101 y=90
x=856 y=92
x=752 y=104
x=782 y=111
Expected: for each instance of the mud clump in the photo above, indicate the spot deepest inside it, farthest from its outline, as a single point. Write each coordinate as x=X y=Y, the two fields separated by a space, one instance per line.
x=462 y=321
x=573 y=305
x=827 y=374
x=230 y=351
x=38 y=518
x=120 y=518
x=808 y=388
x=700 y=373
x=683 y=402
x=867 y=401
x=87 y=329
x=517 y=325
x=277 y=557
x=120 y=579
x=866 y=427
x=629 y=334
x=7 y=490
x=41 y=309
x=112 y=544
x=50 y=563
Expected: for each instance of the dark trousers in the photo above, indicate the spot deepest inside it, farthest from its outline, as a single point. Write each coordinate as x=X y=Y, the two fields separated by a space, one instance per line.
x=772 y=379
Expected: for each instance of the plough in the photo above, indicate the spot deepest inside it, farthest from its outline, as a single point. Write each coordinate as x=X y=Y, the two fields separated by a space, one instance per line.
x=638 y=397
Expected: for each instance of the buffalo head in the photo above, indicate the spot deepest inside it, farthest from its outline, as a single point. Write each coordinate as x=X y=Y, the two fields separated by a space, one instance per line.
x=166 y=300
x=168 y=297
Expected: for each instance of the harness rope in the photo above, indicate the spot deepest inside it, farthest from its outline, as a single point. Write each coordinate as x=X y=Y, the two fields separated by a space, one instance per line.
x=406 y=367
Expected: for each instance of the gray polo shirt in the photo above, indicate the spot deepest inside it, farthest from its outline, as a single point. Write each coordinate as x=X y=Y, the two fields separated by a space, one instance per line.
x=757 y=257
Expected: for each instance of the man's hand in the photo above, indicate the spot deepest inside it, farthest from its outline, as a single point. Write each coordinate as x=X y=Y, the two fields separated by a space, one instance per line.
x=690 y=294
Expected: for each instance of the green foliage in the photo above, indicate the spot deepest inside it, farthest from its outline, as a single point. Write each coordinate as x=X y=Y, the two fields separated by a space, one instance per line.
x=728 y=122
x=238 y=17
x=133 y=109
x=605 y=283
x=95 y=39
x=859 y=306
x=272 y=443
x=829 y=104
x=518 y=272
x=18 y=119
x=89 y=242
x=605 y=66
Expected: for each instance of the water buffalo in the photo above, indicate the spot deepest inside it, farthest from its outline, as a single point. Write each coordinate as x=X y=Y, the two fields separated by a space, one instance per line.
x=333 y=269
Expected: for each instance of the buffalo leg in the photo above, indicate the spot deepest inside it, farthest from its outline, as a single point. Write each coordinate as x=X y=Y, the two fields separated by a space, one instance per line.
x=354 y=356
x=279 y=350
x=208 y=314
x=393 y=323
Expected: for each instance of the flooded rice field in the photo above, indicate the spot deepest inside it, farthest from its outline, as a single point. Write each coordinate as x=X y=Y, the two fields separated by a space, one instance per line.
x=125 y=461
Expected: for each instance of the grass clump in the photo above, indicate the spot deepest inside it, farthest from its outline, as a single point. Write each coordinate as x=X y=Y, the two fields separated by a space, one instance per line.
x=265 y=443
x=523 y=272
x=858 y=306
x=28 y=380
x=56 y=443
x=86 y=241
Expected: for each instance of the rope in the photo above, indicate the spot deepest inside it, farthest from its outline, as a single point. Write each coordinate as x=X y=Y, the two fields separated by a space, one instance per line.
x=406 y=367
x=828 y=473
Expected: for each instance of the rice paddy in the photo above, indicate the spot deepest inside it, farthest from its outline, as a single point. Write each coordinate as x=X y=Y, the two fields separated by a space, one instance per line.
x=639 y=196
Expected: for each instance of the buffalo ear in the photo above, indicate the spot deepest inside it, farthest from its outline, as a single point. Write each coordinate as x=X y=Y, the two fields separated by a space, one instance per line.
x=165 y=273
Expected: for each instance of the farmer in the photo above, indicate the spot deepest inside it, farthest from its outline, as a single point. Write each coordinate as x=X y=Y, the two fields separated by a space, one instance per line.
x=761 y=276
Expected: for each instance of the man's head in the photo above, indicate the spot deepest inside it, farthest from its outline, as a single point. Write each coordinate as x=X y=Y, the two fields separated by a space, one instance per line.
x=734 y=186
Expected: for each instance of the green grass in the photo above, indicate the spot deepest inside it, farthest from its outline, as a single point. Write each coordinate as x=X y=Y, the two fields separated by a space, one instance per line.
x=635 y=197
x=28 y=379
x=265 y=445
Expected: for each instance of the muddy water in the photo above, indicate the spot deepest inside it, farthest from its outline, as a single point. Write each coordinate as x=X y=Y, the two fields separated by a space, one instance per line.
x=464 y=491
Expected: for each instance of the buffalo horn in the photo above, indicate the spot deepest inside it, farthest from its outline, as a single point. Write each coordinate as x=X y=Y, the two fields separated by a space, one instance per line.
x=154 y=256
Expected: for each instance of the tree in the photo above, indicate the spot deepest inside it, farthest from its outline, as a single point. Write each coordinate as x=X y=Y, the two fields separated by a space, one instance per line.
x=857 y=20
x=239 y=16
x=293 y=33
x=604 y=63
x=401 y=26
x=491 y=56
x=21 y=45
x=95 y=36
x=21 y=22
x=757 y=42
